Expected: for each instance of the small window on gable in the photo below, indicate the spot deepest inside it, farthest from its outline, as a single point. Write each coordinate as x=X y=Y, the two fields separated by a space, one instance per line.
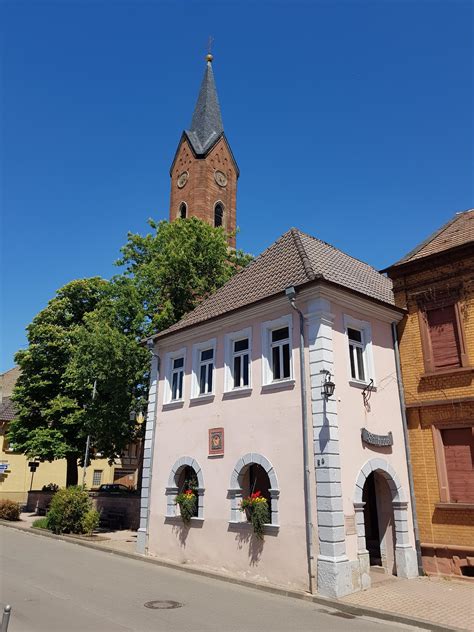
x=218 y=215
x=183 y=210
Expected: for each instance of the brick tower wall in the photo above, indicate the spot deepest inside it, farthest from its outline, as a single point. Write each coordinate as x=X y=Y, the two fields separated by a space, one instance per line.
x=201 y=192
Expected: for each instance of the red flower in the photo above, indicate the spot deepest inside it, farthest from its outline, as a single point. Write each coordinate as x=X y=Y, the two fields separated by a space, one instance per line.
x=256 y=495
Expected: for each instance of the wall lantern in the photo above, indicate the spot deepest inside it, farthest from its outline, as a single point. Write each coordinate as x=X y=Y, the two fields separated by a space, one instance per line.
x=328 y=385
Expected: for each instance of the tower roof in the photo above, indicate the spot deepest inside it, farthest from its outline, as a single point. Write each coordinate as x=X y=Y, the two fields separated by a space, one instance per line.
x=206 y=125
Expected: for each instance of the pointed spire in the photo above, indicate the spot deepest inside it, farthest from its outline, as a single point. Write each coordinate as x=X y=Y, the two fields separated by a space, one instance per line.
x=206 y=124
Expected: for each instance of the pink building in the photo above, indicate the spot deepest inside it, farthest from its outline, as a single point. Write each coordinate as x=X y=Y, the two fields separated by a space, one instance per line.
x=235 y=408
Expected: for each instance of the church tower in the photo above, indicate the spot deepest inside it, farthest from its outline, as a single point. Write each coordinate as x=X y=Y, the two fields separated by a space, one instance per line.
x=204 y=172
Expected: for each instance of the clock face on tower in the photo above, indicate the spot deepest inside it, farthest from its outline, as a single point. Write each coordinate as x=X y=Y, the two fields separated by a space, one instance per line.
x=182 y=179
x=220 y=178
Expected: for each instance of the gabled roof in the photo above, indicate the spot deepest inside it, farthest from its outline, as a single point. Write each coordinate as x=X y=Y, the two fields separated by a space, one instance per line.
x=294 y=259
x=7 y=409
x=459 y=231
x=206 y=124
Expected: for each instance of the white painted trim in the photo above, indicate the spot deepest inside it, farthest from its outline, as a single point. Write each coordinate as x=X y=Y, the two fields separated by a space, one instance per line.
x=365 y=328
x=229 y=340
x=266 y=328
x=197 y=348
x=169 y=357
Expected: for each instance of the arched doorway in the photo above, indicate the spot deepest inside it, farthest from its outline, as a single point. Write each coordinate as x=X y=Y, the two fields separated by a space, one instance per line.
x=379 y=522
x=383 y=531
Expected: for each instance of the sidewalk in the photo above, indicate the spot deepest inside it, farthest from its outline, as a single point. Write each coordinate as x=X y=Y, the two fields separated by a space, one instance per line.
x=444 y=603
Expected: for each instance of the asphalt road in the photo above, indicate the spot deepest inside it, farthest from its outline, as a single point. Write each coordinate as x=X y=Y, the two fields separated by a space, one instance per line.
x=57 y=586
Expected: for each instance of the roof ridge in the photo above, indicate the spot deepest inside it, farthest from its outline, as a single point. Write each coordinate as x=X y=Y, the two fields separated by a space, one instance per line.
x=326 y=243
x=308 y=268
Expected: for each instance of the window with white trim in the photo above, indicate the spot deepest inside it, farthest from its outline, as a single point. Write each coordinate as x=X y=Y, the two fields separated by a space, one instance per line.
x=204 y=354
x=359 y=345
x=277 y=350
x=174 y=382
x=97 y=478
x=240 y=363
x=356 y=353
x=177 y=378
x=280 y=358
x=206 y=371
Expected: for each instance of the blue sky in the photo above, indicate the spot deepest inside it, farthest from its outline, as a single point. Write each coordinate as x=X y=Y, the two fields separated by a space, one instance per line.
x=350 y=120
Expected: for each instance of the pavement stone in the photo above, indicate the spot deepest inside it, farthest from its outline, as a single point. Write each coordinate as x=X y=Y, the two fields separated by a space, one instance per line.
x=445 y=602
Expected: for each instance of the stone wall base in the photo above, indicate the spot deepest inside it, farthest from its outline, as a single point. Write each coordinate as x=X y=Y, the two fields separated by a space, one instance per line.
x=335 y=577
x=141 y=540
x=448 y=560
x=406 y=562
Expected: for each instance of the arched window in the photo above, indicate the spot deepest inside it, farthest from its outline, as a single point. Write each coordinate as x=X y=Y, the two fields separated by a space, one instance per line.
x=183 y=210
x=253 y=473
x=218 y=215
x=184 y=474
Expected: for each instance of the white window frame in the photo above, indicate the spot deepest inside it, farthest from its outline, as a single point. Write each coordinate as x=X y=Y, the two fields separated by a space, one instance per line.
x=101 y=472
x=197 y=349
x=267 y=328
x=168 y=391
x=229 y=341
x=367 y=349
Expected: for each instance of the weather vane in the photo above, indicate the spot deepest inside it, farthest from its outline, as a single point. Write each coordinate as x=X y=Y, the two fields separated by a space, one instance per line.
x=209 y=56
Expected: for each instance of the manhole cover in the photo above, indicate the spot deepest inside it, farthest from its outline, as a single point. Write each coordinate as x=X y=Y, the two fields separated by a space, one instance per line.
x=165 y=604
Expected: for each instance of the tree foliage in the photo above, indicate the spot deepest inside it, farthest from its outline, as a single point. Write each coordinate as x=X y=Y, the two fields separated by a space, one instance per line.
x=177 y=266
x=91 y=332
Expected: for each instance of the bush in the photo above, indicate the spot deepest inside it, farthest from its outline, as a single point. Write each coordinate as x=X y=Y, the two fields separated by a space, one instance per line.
x=90 y=522
x=9 y=510
x=41 y=523
x=50 y=487
x=68 y=510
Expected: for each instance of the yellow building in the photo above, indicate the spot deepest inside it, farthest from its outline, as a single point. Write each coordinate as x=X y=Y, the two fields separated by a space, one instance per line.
x=16 y=478
x=435 y=283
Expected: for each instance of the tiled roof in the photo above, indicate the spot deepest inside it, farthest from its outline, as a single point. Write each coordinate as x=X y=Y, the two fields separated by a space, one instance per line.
x=457 y=232
x=294 y=259
x=7 y=410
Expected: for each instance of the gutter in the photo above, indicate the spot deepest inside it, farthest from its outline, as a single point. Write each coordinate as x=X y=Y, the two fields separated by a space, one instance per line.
x=290 y=293
x=401 y=395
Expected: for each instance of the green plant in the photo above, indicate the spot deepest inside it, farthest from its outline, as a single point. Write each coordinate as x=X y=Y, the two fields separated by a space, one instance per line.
x=9 y=510
x=187 y=502
x=257 y=511
x=90 y=521
x=68 y=508
x=41 y=523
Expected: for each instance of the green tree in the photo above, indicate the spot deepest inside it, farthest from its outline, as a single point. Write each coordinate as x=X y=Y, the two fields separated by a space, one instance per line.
x=177 y=266
x=49 y=422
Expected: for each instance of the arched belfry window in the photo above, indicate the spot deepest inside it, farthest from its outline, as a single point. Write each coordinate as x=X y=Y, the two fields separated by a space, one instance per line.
x=183 y=210
x=218 y=215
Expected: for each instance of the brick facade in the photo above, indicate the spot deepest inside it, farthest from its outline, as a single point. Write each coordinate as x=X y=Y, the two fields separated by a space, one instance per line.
x=439 y=399
x=201 y=192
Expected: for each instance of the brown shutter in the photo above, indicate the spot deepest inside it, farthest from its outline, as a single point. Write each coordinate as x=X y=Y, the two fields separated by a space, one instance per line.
x=459 y=456
x=444 y=337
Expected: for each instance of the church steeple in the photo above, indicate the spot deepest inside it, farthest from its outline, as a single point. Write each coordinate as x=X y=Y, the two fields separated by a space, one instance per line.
x=204 y=172
x=206 y=125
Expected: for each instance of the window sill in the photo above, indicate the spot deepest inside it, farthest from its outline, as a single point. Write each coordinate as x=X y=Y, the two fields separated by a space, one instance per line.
x=362 y=385
x=238 y=392
x=444 y=372
x=178 y=520
x=201 y=399
x=279 y=385
x=451 y=506
x=268 y=529
x=179 y=403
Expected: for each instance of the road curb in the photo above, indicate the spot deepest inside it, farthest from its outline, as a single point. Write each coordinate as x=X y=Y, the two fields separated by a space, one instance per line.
x=335 y=604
